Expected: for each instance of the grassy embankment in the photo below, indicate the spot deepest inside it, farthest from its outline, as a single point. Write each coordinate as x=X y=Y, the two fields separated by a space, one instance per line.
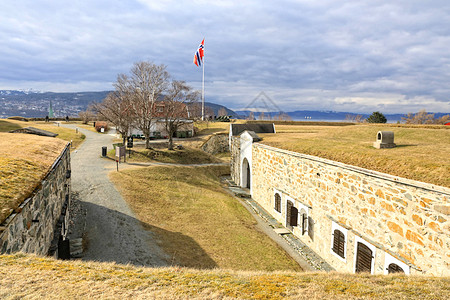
x=30 y=277
x=159 y=153
x=63 y=133
x=421 y=153
x=191 y=154
x=25 y=159
x=199 y=224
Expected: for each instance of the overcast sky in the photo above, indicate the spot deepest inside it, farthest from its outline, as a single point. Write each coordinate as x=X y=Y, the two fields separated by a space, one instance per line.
x=358 y=56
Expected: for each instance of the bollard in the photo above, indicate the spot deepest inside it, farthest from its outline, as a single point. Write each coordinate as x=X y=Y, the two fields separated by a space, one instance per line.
x=104 y=151
x=63 y=248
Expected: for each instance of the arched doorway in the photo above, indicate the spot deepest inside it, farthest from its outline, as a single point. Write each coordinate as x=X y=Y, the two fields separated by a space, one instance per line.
x=246 y=174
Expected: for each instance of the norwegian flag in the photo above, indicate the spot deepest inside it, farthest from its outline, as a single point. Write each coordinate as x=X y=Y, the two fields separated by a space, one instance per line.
x=198 y=57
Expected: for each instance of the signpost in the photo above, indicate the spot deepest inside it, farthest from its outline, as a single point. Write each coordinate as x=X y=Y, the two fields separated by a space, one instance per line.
x=120 y=152
x=129 y=145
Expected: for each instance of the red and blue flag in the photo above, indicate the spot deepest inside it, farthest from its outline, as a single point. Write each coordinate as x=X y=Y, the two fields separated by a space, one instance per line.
x=198 y=57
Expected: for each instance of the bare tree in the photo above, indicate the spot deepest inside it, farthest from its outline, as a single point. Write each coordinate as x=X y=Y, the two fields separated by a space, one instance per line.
x=117 y=107
x=176 y=101
x=251 y=116
x=422 y=117
x=222 y=112
x=282 y=117
x=147 y=83
x=442 y=120
x=195 y=111
x=354 y=118
x=87 y=115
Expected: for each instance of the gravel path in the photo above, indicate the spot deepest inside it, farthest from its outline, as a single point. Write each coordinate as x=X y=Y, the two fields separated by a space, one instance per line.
x=112 y=230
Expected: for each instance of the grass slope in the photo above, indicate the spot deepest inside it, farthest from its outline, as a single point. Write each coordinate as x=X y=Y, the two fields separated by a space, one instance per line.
x=27 y=276
x=198 y=223
x=421 y=153
x=25 y=159
x=161 y=154
x=63 y=133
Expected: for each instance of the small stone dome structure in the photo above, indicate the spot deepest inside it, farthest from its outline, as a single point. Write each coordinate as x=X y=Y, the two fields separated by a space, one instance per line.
x=385 y=139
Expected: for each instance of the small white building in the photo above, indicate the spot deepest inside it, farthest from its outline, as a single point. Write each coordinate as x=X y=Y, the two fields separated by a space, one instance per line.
x=158 y=130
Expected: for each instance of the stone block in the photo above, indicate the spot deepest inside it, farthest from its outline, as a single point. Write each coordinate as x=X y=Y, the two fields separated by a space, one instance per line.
x=443 y=209
x=417 y=219
x=394 y=227
x=434 y=226
x=414 y=237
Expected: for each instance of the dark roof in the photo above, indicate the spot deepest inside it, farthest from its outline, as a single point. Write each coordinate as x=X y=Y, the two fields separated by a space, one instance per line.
x=33 y=130
x=237 y=129
x=254 y=136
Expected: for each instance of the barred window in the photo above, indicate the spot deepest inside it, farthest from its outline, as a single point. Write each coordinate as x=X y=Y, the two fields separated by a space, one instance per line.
x=278 y=202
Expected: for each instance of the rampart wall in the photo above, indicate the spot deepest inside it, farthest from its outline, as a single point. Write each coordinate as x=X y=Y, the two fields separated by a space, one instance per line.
x=36 y=225
x=401 y=221
x=216 y=143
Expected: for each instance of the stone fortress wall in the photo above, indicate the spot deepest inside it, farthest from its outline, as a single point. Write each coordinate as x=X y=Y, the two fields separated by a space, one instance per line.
x=36 y=225
x=216 y=143
x=401 y=223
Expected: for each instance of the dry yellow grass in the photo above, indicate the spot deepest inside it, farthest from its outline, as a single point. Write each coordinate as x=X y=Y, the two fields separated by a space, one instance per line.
x=27 y=276
x=25 y=159
x=63 y=133
x=89 y=126
x=187 y=155
x=200 y=225
x=422 y=152
x=208 y=128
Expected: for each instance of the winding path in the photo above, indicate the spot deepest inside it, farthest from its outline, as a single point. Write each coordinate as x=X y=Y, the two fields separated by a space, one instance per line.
x=113 y=231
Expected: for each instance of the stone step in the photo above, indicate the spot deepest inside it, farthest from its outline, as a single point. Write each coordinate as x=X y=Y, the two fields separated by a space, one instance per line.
x=281 y=231
x=74 y=253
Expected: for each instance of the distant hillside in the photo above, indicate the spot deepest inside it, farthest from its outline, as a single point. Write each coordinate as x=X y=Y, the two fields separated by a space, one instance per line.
x=217 y=107
x=35 y=104
x=312 y=115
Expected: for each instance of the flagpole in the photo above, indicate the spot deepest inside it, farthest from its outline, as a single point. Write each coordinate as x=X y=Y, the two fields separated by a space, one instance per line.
x=203 y=88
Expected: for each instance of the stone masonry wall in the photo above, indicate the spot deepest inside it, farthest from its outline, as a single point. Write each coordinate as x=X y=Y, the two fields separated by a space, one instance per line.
x=216 y=143
x=31 y=228
x=402 y=220
x=235 y=148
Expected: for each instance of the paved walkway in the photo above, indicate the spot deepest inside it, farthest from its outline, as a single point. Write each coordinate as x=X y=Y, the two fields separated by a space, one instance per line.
x=299 y=251
x=113 y=232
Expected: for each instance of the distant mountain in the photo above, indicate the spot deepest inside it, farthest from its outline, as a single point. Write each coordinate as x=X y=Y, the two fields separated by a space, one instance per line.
x=35 y=104
x=32 y=104
x=17 y=92
x=312 y=115
x=217 y=107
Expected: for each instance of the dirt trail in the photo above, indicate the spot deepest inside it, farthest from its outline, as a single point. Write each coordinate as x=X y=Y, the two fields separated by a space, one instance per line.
x=113 y=232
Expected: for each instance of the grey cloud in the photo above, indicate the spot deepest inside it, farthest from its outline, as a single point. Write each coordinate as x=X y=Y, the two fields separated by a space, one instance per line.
x=293 y=50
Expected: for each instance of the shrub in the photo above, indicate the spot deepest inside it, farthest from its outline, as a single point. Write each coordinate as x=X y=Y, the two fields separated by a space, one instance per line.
x=376 y=117
x=101 y=124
